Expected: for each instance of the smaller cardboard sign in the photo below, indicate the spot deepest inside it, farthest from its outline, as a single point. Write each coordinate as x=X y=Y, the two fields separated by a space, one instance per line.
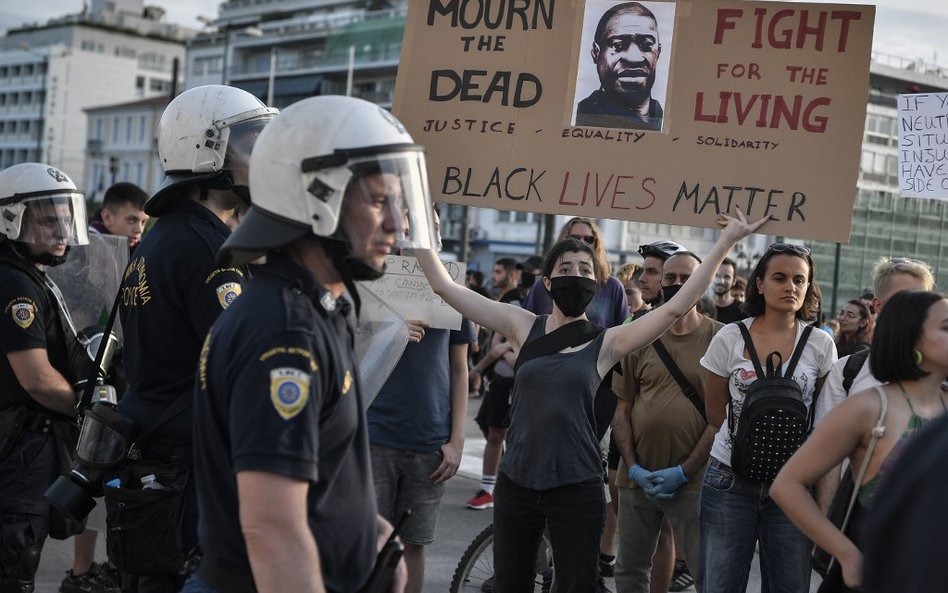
x=406 y=290
x=923 y=137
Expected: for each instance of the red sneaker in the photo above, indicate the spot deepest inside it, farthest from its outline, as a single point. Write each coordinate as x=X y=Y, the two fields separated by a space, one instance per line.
x=482 y=500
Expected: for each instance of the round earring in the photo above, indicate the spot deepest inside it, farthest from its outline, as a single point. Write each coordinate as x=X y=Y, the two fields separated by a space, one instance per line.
x=918 y=357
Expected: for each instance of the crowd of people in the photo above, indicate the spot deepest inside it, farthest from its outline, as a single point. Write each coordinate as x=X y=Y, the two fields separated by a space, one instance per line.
x=615 y=407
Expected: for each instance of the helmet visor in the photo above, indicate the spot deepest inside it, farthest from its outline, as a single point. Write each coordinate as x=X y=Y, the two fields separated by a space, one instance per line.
x=51 y=220
x=240 y=140
x=387 y=199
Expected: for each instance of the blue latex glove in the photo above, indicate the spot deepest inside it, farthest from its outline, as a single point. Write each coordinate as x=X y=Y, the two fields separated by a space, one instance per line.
x=665 y=483
x=639 y=475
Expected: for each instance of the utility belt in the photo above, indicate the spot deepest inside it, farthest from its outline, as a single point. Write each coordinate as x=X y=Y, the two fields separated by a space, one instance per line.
x=17 y=419
x=225 y=578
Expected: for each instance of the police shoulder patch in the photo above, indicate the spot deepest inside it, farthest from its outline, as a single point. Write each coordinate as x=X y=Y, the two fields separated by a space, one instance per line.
x=23 y=312
x=289 y=391
x=227 y=293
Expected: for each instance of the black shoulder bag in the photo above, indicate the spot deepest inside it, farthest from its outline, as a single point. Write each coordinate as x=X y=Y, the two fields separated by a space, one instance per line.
x=566 y=336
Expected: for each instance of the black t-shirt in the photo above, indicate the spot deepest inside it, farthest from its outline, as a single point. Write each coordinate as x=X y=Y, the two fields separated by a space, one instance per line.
x=172 y=292
x=278 y=392
x=28 y=320
x=732 y=312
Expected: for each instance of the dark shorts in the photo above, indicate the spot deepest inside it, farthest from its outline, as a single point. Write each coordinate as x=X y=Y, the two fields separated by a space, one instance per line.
x=495 y=409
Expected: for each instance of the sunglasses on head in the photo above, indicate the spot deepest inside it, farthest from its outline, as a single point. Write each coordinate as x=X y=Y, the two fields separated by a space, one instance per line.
x=800 y=250
x=586 y=238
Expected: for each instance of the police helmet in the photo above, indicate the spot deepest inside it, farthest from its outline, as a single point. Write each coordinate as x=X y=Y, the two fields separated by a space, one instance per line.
x=204 y=133
x=40 y=205
x=302 y=171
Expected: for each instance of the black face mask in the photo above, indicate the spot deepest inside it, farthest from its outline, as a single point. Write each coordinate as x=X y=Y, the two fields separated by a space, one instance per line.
x=527 y=279
x=669 y=291
x=572 y=294
x=44 y=259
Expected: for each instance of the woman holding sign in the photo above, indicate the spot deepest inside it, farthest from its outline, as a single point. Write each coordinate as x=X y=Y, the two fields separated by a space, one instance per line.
x=551 y=475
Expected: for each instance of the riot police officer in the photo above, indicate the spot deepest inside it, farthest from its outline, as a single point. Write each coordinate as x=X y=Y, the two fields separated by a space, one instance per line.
x=281 y=452
x=41 y=215
x=173 y=290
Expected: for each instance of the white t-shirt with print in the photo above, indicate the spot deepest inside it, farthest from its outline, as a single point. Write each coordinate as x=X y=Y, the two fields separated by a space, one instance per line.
x=725 y=358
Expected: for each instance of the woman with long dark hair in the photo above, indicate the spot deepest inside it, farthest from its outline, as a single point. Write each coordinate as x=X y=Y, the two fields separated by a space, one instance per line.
x=855 y=328
x=736 y=511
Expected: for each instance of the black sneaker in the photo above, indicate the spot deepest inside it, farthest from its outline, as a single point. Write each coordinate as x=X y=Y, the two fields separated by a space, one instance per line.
x=88 y=582
x=681 y=578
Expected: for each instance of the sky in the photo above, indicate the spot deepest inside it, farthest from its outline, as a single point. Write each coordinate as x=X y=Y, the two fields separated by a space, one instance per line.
x=911 y=29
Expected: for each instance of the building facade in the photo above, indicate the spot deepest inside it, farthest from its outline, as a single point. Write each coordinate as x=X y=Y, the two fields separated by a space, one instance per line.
x=50 y=73
x=122 y=145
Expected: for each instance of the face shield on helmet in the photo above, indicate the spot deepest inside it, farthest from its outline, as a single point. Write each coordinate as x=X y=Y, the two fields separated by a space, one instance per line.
x=239 y=139
x=47 y=221
x=385 y=201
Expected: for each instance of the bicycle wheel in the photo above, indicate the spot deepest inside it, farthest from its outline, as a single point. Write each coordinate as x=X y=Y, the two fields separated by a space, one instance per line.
x=475 y=571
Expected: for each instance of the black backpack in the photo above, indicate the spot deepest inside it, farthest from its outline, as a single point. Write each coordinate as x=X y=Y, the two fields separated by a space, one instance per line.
x=774 y=420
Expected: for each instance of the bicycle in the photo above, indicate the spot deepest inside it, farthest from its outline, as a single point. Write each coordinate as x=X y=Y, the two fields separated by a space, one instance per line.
x=475 y=571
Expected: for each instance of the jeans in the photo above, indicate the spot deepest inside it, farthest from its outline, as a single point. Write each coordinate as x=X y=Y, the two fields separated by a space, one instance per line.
x=402 y=482
x=573 y=514
x=735 y=514
x=196 y=585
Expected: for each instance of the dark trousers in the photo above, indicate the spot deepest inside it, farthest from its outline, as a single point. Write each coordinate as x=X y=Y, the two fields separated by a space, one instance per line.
x=25 y=474
x=574 y=516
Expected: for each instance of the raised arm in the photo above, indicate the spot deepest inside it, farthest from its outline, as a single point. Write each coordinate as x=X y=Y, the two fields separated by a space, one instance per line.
x=625 y=339
x=511 y=321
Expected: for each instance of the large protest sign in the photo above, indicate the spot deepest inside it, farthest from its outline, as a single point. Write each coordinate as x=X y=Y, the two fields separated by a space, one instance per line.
x=405 y=289
x=753 y=104
x=923 y=145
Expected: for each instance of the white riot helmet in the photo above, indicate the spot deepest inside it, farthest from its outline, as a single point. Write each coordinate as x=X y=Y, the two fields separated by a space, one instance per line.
x=40 y=205
x=311 y=160
x=203 y=134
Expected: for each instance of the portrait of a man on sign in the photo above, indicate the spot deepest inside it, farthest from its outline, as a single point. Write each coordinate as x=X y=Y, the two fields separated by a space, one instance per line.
x=623 y=65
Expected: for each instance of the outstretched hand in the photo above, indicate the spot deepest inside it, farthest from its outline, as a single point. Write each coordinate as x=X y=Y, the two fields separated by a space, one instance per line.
x=737 y=227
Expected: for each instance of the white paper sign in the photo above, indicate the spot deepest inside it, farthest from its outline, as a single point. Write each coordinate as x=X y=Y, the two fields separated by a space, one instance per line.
x=406 y=290
x=923 y=145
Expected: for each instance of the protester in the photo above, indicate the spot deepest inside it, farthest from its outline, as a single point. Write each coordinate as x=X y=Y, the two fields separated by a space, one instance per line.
x=662 y=433
x=42 y=214
x=653 y=258
x=889 y=276
x=727 y=308
x=551 y=474
x=736 y=512
x=608 y=308
x=910 y=354
x=175 y=289
x=122 y=213
x=282 y=454
x=855 y=328
x=628 y=274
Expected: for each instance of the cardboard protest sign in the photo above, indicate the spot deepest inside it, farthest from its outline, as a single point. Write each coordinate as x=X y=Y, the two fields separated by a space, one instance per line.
x=405 y=289
x=923 y=137
x=669 y=114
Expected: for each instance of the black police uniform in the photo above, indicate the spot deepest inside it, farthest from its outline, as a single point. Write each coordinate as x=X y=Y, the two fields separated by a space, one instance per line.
x=172 y=292
x=278 y=392
x=29 y=320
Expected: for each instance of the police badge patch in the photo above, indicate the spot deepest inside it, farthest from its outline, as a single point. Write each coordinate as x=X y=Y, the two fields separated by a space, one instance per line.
x=23 y=313
x=289 y=391
x=227 y=294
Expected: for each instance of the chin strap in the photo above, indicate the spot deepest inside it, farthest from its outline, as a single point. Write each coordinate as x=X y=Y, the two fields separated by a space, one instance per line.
x=44 y=259
x=351 y=267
